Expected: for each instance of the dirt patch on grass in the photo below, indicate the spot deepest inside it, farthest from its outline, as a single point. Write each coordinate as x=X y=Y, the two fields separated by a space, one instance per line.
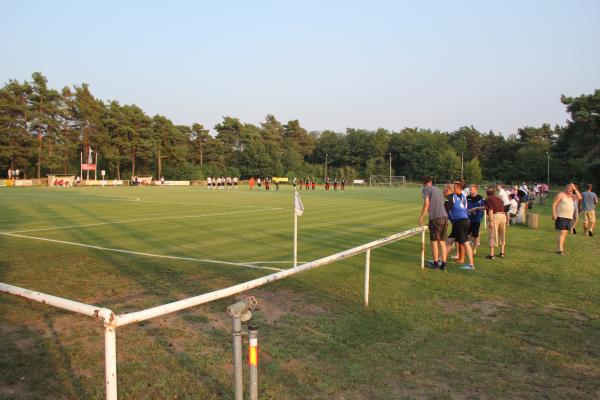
x=487 y=309
x=274 y=305
x=566 y=313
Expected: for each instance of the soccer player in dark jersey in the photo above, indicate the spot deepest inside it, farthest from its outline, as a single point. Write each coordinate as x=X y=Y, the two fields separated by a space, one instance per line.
x=343 y=184
x=307 y=182
x=314 y=183
x=335 y=185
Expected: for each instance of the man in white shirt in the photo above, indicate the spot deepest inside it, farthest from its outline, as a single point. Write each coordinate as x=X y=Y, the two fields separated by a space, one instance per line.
x=505 y=200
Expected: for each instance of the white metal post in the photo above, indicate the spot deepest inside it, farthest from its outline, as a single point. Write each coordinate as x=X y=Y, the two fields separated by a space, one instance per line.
x=295 y=233
x=484 y=219
x=110 y=358
x=423 y=249
x=367 y=273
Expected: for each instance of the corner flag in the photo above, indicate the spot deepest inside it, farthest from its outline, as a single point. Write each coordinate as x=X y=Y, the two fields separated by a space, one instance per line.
x=298 y=206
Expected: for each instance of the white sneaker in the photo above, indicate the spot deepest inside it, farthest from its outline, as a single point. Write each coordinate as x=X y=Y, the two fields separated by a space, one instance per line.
x=467 y=266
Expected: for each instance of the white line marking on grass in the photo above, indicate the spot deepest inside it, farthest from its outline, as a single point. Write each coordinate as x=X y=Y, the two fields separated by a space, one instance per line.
x=78 y=196
x=139 y=253
x=142 y=220
x=134 y=199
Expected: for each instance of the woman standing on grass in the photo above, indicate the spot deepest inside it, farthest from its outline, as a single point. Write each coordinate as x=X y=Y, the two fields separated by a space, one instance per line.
x=562 y=213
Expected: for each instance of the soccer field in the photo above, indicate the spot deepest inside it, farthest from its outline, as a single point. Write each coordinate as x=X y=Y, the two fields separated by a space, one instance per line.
x=527 y=326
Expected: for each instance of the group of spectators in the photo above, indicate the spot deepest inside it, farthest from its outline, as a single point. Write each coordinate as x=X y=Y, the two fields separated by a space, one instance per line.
x=222 y=182
x=13 y=174
x=465 y=208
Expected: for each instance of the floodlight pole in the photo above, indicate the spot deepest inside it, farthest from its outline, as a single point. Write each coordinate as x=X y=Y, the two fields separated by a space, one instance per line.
x=390 y=154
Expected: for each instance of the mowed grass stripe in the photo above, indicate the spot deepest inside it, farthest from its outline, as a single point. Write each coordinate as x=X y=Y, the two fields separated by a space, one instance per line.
x=527 y=326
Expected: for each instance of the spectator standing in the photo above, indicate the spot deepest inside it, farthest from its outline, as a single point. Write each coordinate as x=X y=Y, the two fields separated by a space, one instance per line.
x=514 y=207
x=496 y=223
x=456 y=206
x=433 y=205
x=562 y=213
x=588 y=209
x=576 y=210
x=475 y=205
x=503 y=194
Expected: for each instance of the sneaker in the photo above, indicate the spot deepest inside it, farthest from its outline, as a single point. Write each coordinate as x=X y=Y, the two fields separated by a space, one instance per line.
x=431 y=264
x=591 y=233
x=467 y=266
x=490 y=257
x=502 y=255
x=442 y=266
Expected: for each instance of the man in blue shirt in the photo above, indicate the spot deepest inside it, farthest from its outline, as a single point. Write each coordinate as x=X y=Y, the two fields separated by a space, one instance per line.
x=475 y=206
x=456 y=206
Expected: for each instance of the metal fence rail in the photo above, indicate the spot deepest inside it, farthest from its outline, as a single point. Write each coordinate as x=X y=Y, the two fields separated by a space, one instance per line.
x=111 y=321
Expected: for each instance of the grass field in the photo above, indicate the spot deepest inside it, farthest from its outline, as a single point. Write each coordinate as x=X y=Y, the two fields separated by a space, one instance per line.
x=526 y=327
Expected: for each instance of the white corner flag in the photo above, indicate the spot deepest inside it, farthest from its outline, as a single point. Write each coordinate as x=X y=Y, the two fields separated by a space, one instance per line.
x=298 y=206
x=298 y=211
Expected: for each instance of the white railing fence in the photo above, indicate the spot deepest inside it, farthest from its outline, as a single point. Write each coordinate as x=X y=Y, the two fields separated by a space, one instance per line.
x=111 y=321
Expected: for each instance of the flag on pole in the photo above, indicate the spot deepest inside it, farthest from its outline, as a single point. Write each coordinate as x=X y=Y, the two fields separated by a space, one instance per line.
x=298 y=206
x=90 y=157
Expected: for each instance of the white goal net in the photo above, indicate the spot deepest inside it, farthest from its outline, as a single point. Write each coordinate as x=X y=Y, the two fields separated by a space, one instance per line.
x=383 y=181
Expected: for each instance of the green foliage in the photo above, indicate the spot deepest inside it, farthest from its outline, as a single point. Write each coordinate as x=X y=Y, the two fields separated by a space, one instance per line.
x=43 y=131
x=472 y=171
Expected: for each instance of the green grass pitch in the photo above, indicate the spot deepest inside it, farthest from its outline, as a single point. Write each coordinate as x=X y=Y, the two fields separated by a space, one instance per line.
x=527 y=326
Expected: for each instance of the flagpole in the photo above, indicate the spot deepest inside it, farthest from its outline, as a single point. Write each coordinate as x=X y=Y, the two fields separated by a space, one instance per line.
x=81 y=165
x=295 y=231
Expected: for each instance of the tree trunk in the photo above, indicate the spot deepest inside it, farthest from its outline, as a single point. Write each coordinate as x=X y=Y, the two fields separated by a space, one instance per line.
x=118 y=172
x=39 y=154
x=132 y=162
x=200 y=156
x=159 y=165
x=66 y=160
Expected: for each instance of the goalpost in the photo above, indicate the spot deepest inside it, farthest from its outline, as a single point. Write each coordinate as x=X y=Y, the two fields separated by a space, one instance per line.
x=389 y=181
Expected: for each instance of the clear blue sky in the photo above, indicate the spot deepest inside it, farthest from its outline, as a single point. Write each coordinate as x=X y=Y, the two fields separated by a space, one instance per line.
x=330 y=64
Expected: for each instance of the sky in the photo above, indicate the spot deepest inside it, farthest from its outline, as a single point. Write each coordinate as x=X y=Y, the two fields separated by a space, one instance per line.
x=330 y=64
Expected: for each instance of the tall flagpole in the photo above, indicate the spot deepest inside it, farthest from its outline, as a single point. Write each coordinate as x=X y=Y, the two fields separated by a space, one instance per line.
x=295 y=231
x=81 y=165
x=96 y=168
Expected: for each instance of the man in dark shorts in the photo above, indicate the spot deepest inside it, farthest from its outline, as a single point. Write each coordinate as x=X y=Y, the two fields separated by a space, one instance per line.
x=343 y=185
x=475 y=205
x=456 y=206
x=433 y=204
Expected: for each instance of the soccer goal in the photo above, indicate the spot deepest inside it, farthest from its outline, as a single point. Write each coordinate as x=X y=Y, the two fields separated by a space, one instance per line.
x=383 y=181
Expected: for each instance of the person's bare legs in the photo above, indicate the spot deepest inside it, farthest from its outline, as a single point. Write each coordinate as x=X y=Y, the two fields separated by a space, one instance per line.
x=448 y=244
x=434 y=250
x=469 y=252
x=562 y=235
x=443 y=250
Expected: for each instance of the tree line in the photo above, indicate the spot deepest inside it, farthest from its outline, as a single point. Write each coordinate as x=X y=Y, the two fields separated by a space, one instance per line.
x=43 y=131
